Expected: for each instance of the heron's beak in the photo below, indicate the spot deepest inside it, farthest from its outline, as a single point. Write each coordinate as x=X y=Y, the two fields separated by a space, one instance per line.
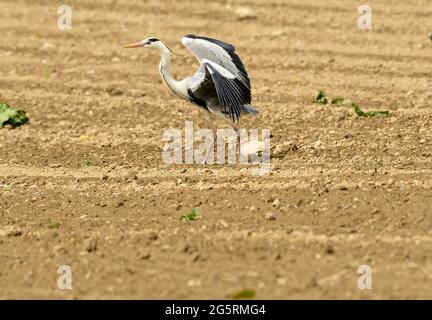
x=133 y=45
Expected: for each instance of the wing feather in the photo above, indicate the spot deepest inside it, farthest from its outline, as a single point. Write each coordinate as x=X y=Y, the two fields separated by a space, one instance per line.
x=231 y=92
x=219 y=52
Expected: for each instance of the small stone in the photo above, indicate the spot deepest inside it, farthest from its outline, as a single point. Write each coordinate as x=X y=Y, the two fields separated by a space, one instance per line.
x=378 y=184
x=329 y=249
x=166 y=247
x=194 y=283
x=342 y=186
x=223 y=224
x=112 y=91
x=252 y=209
x=276 y=204
x=60 y=250
x=91 y=245
x=270 y=216
x=47 y=46
x=145 y=256
x=131 y=176
x=37 y=235
x=153 y=236
x=390 y=182
x=277 y=33
x=279 y=151
x=244 y=13
x=10 y=231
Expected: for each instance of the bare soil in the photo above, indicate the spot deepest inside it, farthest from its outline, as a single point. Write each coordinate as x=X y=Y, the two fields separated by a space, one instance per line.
x=84 y=183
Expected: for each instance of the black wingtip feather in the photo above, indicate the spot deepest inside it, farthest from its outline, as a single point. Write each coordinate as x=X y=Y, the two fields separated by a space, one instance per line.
x=232 y=94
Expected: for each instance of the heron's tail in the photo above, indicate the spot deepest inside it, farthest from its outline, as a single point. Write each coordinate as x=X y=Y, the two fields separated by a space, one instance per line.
x=248 y=109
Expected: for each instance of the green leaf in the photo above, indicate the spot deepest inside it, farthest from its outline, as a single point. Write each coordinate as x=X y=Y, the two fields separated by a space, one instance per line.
x=5 y=113
x=341 y=100
x=244 y=294
x=53 y=224
x=19 y=119
x=87 y=163
x=321 y=97
x=368 y=114
x=10 y=116
x=6 y=187
x=191 y=216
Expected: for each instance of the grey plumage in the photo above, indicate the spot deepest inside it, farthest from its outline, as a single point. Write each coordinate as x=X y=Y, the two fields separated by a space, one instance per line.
x=221 y=85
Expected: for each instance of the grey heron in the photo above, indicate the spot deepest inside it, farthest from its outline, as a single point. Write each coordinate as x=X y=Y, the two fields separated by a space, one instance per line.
x=221 y=85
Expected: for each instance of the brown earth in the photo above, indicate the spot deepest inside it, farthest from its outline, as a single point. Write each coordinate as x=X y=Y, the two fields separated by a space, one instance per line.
x=84 y=184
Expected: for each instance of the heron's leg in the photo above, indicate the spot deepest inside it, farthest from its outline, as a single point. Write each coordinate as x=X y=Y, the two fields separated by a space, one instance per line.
x=210 y=123
x=236 y=129
x=209 y=120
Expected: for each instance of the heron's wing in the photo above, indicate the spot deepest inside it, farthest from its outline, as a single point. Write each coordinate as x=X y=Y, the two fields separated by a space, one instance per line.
x=201 y=88
x=232 y=93
x=218 y=52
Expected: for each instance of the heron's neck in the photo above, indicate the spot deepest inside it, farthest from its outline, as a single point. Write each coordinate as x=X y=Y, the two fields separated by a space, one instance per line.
x=165 y=71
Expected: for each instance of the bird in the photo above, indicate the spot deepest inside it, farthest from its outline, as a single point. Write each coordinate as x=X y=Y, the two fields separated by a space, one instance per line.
x=220 y=87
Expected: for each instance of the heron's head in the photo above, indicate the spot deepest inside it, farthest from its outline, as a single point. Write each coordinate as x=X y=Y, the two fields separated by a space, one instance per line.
x=151 y=42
